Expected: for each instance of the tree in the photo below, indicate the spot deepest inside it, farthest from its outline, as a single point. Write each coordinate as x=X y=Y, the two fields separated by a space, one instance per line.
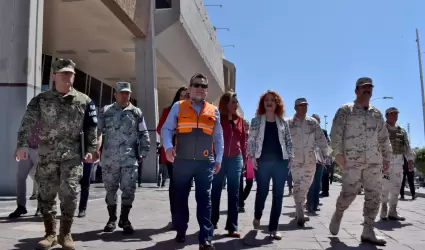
x=420 y=159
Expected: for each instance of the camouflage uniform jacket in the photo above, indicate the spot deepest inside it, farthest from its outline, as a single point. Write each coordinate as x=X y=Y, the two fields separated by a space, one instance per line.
x=360 y=135
x=62 y=119
x=306 y=137
x=124 y=135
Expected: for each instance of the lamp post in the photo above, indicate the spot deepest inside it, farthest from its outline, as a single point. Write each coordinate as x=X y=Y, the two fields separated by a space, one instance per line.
x=421 y=75
x=215 y=28
x=214 y=5
x=326 y=123
x=383 y=98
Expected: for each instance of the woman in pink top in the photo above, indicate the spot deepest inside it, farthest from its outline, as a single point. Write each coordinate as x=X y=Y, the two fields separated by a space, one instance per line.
x=249 y=175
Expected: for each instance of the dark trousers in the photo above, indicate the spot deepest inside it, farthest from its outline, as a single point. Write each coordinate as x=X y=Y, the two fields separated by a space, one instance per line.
x=139 y=173
x=277 y=171
x=289 y=181
x=410 y=179
x=314 y=191
x=325 y=181
x=85 y=186
x=184 y=172
x=244 y=192
x=231 y=169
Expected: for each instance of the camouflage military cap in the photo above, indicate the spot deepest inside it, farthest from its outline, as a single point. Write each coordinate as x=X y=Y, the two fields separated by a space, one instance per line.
x=364 y=81
x=123 y=86
x=391 y=110
x=63 y=65
x=316 y=116
x=300 y=101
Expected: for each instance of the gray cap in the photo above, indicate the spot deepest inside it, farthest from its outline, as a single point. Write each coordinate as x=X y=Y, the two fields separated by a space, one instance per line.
x=123 y=86
x=300 y=101
x=391 y=110
x=63 y=65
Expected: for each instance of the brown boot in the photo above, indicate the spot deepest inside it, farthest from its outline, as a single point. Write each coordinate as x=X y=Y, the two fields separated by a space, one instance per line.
x=65 y=238
x=50 y=239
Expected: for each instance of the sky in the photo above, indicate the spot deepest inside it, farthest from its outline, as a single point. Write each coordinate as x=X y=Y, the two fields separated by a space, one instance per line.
x=318 y=49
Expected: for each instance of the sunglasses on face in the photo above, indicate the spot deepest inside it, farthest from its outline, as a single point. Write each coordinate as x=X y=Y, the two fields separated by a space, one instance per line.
x=199 y=85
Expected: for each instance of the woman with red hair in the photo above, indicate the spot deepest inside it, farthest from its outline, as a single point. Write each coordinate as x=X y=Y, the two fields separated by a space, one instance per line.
x=270 y=149
x=233 y=161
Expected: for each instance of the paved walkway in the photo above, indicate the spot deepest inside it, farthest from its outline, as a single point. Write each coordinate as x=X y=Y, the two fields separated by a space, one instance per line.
x=150 y=217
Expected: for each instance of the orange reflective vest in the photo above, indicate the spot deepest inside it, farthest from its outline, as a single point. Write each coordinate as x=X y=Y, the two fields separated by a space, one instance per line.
x=194 y=133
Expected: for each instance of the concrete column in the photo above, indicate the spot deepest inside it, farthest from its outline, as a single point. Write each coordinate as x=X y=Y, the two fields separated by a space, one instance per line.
x=146 y=93
x=21 y=33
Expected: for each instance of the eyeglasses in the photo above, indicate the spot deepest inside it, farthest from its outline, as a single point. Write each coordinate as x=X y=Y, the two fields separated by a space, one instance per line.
x=199 y=85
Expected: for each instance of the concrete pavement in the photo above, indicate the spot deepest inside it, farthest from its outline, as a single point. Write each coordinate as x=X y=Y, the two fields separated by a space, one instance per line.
x=150 y=217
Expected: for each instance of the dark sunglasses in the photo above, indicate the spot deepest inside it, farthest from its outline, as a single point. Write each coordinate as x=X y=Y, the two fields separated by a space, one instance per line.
x=199 y=85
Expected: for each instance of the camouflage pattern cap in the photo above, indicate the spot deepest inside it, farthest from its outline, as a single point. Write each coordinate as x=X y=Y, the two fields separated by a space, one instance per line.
x=391 y=110
x=316 y=116
x=63 y=65
x=300 y=101
x=123 y=86
x=364 y=81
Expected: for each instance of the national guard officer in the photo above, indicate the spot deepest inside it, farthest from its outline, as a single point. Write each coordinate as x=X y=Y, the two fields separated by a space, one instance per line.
x=394 y=176
x=306 y=136
x=125 y=143
x=68 y=135
x=196 y=124
x=361 y=146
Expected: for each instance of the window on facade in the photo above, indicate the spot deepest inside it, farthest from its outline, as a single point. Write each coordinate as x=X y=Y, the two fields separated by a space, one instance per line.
x=94 y=93
x=163 y=4
x=106 y=95
x=47 y=65
x=80 y=81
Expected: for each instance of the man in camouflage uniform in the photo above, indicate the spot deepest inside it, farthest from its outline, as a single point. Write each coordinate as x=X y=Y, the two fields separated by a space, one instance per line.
x=394 y=176
x=125 y=144
x=66 y=118
x=362 y=148
x=306 y=136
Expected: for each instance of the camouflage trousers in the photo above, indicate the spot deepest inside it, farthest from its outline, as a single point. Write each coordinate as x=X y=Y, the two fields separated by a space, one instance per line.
x=391 y=183
x=354 y=175
x=124 y=178
x=302 y=175
x=61 y=178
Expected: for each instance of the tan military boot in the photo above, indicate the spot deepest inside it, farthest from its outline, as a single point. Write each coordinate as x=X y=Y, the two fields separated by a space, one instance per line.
x=335 y=222
x=384 y=211
x=369 y=236
x=299 y=215
x=393 y=215
x=65 y=238
x=50 y=239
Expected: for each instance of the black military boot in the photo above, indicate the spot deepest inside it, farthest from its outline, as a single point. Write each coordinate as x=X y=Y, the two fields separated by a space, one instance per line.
x=112 y=222
x=124 y=223
x=20 y=210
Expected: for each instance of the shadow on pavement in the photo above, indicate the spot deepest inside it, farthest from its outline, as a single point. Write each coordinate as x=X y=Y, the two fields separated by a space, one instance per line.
x=28 y=218
x=336 y=244
x=291 y=226
x=390 y=225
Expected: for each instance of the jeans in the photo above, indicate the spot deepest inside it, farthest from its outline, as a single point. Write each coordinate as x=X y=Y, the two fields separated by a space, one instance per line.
x=162 y=174
x=314 y=191
x=183 y=173
x=85 y=186
x=277 y=171
x=170 y=186
x=231 y=169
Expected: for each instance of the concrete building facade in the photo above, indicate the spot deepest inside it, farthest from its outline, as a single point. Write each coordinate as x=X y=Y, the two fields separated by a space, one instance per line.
x=155 y=45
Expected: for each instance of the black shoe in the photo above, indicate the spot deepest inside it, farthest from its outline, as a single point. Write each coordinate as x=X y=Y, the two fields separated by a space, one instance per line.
x=324 y=194
x=111 y=225
x=33 y=197
x=20 y=210
x=124 y=223
x=81 y=214
x=316 y=209
x=241 y=210
x=180 y=238
x=139 y=185
x=413 y=197
x=215 y=226
x=402 y=198
x=206 y=245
